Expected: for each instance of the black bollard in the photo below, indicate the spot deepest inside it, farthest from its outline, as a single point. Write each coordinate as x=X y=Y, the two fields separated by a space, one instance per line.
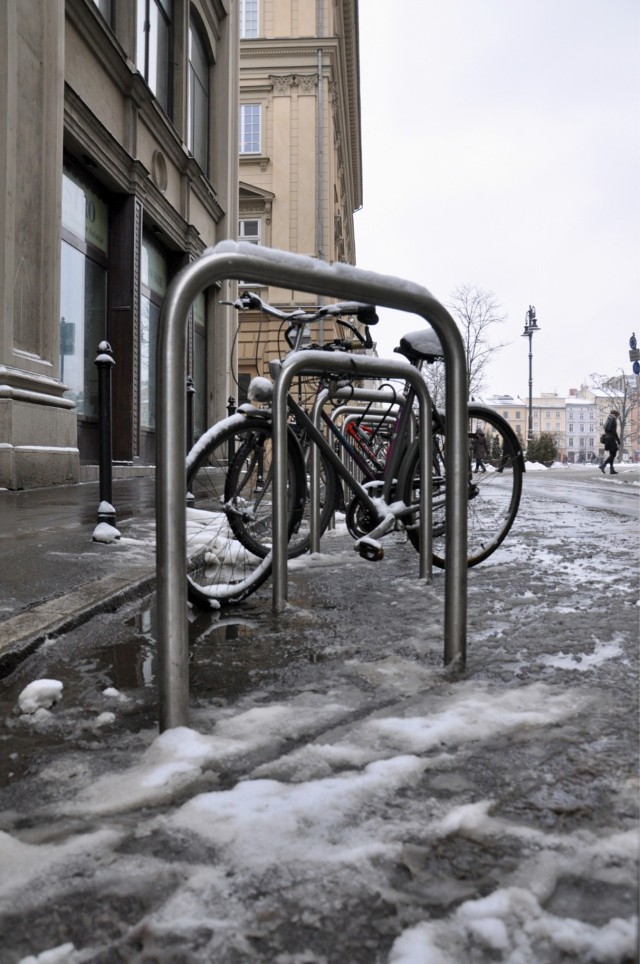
x=191 y=391
x=231 y=410
x=105 y=363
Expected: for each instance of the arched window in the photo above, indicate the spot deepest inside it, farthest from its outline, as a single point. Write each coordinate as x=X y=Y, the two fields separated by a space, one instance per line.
x=198 y=120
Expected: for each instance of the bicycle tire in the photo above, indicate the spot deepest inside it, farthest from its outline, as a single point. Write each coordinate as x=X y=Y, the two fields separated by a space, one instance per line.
x=494 y=496
x=229 y=518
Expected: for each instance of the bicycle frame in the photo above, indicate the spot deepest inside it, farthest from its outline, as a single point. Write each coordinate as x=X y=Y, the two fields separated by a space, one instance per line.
x=317 y=362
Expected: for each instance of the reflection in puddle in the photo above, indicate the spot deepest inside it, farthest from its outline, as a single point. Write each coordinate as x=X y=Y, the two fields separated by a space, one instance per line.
x=226 y=653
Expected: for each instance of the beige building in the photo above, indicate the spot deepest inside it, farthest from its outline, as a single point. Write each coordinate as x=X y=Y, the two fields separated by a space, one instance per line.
x=299 y=147
x=118 y=165
x=576 y=421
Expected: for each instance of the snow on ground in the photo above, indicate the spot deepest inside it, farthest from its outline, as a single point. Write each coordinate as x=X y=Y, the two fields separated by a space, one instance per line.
x=363 y=805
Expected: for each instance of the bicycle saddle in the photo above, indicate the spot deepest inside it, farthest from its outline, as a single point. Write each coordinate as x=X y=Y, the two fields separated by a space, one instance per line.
x=422 y=345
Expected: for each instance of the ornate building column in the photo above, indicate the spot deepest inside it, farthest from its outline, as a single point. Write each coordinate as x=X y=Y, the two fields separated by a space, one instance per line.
x=38 y=443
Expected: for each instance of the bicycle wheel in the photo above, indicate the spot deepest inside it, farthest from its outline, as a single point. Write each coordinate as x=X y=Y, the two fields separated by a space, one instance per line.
x=229 y=520
x=494 y=495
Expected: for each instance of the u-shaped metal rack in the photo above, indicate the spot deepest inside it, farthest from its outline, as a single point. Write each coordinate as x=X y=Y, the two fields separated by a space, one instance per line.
x=252 y=263
x=352 y=394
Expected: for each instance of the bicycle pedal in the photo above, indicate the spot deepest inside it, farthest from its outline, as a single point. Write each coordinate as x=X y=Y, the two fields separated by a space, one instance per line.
x=372 y=551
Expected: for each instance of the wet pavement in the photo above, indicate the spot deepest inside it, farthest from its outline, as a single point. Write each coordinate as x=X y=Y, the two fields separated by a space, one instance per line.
x=53 y=576
x=541 y=730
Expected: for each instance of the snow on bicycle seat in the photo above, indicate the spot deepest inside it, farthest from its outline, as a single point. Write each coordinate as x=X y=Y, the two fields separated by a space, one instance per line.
x=423 y=344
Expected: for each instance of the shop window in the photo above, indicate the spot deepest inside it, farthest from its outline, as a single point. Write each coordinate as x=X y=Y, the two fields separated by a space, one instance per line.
x=83 y=286
x=153 y=278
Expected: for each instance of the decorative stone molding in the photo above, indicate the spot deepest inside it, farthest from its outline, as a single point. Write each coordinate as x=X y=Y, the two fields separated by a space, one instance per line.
x=307 y=83
x=159 y=172
x=282 y=84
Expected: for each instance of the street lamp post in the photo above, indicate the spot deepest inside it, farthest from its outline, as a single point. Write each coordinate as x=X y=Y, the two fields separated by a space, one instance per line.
x=530 y=325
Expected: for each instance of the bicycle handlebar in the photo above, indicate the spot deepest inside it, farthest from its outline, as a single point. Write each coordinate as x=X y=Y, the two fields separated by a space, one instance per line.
x=366 y=314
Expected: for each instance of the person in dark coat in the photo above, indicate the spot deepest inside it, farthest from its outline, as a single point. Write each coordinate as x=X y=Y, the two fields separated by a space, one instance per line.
x=611 y=441
x=479 y=450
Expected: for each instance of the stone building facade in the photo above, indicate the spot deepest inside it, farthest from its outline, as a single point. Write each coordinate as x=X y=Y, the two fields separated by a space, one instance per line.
x=299 y=147
x=118 y=165
x=576 y=421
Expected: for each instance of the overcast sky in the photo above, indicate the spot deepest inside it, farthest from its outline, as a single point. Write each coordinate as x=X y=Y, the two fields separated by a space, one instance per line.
x=501 y=149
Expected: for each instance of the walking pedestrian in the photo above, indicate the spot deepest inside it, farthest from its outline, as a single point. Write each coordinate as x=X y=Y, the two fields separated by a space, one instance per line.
x=479 y=450
x=611 y=441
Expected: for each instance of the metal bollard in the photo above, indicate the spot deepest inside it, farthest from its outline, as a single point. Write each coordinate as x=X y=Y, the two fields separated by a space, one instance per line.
x=106 y=512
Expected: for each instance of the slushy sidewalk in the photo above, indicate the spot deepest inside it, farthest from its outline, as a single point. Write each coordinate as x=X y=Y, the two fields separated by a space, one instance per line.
x=338 y=797
x=53 y=576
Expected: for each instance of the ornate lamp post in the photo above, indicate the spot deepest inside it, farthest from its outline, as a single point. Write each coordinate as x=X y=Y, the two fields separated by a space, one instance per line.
x=530 y=325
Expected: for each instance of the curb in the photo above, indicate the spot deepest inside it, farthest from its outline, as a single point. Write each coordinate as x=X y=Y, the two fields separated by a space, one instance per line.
x=21 y=635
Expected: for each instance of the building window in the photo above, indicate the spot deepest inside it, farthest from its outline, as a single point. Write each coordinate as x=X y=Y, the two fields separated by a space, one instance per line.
x=154 y=47
x=250 y=117
x=248 y=19
x=83 y=291
x=198 y=130
x=249 y=230
x=518 y=415
x=104 y=6
x=153 y=287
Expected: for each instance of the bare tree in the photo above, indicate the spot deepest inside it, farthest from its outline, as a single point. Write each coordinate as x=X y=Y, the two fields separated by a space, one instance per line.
x=624 y=392
x=475 y=311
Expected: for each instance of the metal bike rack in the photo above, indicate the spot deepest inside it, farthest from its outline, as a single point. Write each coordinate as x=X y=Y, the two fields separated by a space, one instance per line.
x=363 y=394
x=314 y=464
x=369 y=420
x=253 y=263
x=317 y=362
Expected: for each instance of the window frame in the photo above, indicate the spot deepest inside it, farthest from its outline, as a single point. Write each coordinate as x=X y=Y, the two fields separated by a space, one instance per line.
x=145 y=32
x=197 y=38
x=246 y=136
x=97 y=259
x=249 y=19
x=251 y=238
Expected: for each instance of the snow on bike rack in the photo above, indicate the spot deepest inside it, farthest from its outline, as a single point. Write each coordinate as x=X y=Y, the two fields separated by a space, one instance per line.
x=253 y=263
